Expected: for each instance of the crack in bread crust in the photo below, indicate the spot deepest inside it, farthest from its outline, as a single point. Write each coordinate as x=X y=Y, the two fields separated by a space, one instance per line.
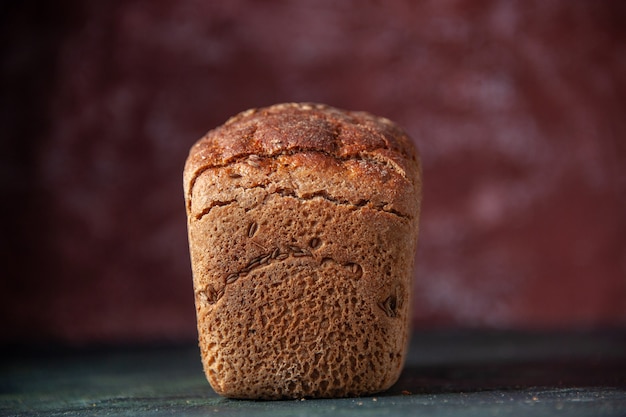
x=285 y=192
x=253 y=158
x=211 y=295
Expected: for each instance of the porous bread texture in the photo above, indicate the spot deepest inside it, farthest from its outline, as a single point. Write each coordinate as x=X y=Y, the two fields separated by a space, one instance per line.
x=302 y=221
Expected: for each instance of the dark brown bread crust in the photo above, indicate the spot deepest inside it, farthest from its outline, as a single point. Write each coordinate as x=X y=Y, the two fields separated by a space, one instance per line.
x=293 y=128
x=303 y=221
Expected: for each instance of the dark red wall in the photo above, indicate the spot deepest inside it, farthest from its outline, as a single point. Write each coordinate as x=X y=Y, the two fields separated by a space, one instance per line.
x=518 y=109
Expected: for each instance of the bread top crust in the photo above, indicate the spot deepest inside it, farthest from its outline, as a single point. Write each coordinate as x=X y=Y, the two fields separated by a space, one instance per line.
x=294 y=130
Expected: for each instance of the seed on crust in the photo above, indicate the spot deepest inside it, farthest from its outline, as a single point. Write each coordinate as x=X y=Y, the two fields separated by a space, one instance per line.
x=252 y=229
x=315 y=243
x=232 y=278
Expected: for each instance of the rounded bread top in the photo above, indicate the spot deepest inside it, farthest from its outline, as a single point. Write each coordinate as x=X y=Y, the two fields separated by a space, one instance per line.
x=292 y=128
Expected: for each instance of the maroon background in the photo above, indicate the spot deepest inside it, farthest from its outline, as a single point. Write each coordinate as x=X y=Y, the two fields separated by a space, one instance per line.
x=518 y=109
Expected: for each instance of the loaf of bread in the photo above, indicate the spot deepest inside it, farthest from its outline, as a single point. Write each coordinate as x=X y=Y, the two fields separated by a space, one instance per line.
x=303 y=223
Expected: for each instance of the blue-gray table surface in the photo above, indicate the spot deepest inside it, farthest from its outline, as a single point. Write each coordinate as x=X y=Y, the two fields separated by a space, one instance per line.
x=446 y=374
